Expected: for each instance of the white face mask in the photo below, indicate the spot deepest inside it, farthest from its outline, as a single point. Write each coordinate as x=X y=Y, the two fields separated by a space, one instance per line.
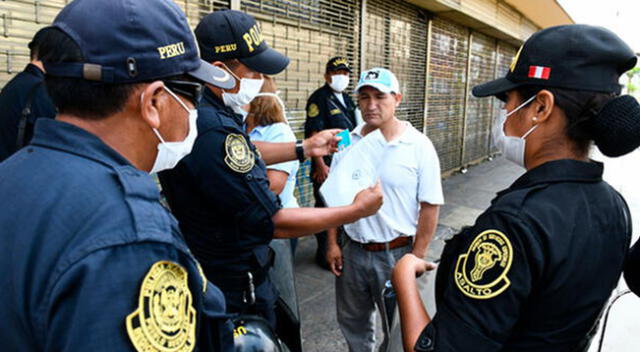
x=249 y=88
x=339 y=82
x=513 y=148
x=170 y=153
x=279 y=100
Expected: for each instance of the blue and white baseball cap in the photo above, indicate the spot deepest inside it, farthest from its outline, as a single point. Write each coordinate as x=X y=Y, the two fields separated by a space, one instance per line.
x=380 y=79
x=125 y=41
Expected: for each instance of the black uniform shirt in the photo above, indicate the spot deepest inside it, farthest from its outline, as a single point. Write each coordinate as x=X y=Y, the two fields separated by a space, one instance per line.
x=325 y=111
x=536 y=269
x=220 y=194
x=28 y=84
x=91 y=260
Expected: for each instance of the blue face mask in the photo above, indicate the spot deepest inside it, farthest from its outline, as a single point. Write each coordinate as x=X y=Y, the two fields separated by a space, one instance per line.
x=513 y=148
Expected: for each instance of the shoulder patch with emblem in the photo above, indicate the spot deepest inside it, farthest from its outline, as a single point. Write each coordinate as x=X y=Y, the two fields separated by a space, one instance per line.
x=165 y=319
x=481 y=273
x=239 y=156
x=313 y=110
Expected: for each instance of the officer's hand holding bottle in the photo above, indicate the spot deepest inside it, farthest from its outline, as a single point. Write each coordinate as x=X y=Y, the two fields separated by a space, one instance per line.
x=369 y=200
x=322 y=143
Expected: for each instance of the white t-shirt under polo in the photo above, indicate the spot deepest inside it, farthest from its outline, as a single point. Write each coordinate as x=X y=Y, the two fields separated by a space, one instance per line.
x=409 y=172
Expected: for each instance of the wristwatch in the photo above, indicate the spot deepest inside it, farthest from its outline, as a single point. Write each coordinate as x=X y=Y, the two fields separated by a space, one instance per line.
x=300 y=150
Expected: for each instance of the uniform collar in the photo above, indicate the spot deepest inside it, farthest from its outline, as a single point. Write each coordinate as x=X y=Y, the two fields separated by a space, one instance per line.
x=54 y=134
x=211 y=99
x=565 y=170
x=34 y=70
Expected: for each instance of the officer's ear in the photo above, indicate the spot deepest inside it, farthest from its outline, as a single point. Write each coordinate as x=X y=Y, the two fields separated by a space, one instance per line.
x=542 y=105
x=152 y=99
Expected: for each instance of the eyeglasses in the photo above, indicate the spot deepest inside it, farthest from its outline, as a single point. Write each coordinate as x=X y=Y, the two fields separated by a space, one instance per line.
x=191 y=90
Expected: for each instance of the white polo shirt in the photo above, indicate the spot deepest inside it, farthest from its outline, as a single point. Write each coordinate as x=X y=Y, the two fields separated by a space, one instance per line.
x=409 y=173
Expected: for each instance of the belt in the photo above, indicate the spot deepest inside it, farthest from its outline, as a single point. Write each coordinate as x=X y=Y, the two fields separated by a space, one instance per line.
x=378 y=247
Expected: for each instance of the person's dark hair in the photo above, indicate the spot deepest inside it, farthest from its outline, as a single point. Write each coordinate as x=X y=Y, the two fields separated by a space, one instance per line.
x=76 y=96
x=34 y=44
x=611 y=121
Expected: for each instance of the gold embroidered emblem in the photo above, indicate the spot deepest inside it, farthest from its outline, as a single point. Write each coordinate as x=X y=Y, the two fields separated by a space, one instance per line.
x=481 y=273
x=239 y=157
x=335 y=111
x=340 y=61
x=515 y=59
x=313 y=110
x=165 y=319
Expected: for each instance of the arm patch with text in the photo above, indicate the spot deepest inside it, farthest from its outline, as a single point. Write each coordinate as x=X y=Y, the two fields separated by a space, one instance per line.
x=165 y=319
x=481 y=273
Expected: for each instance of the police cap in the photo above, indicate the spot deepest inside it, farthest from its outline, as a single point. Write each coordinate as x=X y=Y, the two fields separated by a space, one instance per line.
x=230 y=34
x=580 y=57
x=132 y=41
x=338 y=63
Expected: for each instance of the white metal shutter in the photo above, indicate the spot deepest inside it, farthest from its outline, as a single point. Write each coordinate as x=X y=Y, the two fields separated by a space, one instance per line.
x=309 y=32
x=479 y=110
x=446 y=90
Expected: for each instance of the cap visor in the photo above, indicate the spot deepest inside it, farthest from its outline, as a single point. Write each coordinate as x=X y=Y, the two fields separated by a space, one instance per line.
x=340 y=68
x=269 y=62
x=210 y=74
x=497 y=87
x=378 y=86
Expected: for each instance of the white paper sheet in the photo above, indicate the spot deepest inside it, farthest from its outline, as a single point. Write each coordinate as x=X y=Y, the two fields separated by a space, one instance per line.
x=356 y=171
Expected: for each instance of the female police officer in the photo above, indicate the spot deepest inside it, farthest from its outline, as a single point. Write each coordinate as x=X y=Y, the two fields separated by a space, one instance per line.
x=535 y=270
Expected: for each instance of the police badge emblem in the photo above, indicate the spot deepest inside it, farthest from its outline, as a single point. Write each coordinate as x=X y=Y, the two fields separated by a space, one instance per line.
x=239 y=156
x=313 y=110
x=481 y=273
x=165 y=319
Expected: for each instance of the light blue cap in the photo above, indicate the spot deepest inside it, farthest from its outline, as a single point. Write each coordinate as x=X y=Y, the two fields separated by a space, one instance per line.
x=380 y=79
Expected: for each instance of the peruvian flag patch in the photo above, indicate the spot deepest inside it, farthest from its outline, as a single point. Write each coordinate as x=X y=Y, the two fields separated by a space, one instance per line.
x=539 y=72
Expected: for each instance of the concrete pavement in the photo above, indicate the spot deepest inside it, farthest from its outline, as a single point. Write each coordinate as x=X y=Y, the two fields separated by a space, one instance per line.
x=466 y=196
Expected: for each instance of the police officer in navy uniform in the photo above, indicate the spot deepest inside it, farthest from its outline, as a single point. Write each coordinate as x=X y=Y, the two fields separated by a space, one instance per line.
x=536 y=269
x=220 y=192
x=328 y=107
x=91 y=260
x=23 y=99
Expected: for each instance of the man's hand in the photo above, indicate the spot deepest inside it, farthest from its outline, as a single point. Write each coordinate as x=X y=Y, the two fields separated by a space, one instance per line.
x=334 y=258
x=322 y=143
x=320 y=172
x=410 y=267
x=369 y=200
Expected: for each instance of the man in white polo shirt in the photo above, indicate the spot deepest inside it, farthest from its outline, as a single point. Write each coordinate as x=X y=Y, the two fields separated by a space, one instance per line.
x=409 y=170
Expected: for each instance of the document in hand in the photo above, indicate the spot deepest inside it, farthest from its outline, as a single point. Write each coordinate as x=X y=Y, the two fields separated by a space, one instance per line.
x=352 y=170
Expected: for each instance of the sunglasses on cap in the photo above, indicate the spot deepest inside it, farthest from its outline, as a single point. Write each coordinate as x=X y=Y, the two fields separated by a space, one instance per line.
x=191 y=90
